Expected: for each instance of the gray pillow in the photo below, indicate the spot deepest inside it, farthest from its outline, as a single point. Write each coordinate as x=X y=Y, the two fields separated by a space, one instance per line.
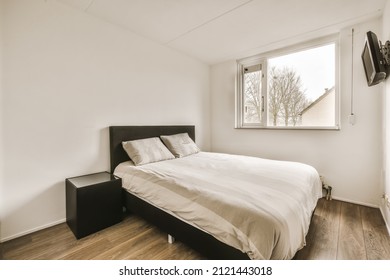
x=146 y=150
x=180 y=145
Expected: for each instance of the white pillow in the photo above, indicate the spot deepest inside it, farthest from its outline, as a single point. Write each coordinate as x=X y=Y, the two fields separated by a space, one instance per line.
x=146 y=150
x=180 y=145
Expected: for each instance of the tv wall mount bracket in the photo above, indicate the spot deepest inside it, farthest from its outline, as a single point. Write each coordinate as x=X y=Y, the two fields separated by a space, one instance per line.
x=385 y=50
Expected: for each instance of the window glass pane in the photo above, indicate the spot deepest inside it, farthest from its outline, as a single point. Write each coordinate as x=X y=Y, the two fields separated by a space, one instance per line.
x=252 y=94
x=301 y=88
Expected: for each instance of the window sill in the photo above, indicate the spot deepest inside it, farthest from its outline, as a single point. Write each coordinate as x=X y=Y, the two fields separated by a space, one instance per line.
x=329 y=128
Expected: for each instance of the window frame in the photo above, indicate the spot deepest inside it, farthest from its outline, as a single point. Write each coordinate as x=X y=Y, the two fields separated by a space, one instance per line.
x=262 y=59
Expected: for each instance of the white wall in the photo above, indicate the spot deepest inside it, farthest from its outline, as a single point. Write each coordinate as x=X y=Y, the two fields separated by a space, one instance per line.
x=68 y=76
x=386 y=124
x=1 y=115
x=349 y=159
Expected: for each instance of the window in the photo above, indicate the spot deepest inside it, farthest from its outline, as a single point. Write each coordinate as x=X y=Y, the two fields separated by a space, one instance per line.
x=296 y=87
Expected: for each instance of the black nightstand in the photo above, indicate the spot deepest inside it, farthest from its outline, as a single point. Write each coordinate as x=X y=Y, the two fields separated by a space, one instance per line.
x=93 y=202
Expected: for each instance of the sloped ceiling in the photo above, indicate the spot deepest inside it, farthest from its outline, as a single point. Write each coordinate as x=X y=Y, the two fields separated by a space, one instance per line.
x=217 y=30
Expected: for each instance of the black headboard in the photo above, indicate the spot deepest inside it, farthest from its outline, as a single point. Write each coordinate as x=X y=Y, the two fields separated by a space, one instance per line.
x=118 y=134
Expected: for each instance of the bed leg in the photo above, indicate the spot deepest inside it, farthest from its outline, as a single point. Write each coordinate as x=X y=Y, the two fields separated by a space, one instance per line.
x=171 y=239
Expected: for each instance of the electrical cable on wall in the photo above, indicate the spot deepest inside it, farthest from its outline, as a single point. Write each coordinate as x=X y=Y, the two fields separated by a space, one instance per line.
x=352 y=115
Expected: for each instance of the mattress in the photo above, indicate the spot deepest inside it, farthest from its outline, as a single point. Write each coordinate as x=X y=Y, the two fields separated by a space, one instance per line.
x=259 y=206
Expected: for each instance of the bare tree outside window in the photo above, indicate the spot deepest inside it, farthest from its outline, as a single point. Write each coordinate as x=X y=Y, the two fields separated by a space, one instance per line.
x=286 y=97
x=252 y=96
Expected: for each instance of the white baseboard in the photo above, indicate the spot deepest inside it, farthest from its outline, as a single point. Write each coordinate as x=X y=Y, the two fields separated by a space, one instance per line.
x=7 y=238
x=355 y=202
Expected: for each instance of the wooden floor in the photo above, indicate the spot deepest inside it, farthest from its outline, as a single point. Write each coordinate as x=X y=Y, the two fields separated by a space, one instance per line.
x=339 y=230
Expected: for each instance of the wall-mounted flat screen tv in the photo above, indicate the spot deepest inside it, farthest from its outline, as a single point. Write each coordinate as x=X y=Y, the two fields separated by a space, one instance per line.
x=373 y=60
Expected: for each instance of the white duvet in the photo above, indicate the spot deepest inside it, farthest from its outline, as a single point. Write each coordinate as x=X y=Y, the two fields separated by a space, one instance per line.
x=261 y=207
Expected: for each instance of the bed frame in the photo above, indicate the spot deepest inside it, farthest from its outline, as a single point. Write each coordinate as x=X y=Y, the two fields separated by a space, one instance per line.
x=197 y=239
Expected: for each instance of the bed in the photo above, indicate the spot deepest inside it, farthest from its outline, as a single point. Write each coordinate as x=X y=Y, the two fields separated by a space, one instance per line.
x=224 y=206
